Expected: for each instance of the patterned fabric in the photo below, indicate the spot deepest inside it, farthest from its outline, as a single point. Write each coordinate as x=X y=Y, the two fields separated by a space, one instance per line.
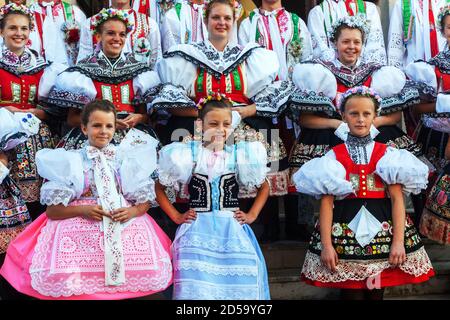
x=23 y=168
x=14 y=216
x=27 y=63
x=351 y=77
x=435 y=220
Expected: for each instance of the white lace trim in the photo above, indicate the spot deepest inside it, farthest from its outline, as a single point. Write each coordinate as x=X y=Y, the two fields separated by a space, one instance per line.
x=55 y=197
x=417 y=263
x=143 y=195
x=216 y=245
x=194 y=289
x=220 y=270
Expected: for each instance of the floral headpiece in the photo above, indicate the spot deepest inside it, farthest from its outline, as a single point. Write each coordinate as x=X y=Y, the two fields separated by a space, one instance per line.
x=445 y=11
x=15 y=8
x=110 y=13
x=237 y=7
x=214 y=96
x=361 y=91
x=357 y=21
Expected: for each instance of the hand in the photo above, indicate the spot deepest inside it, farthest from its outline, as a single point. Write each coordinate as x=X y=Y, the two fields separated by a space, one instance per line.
x=14 y=109
x=397 y=255
x=3 y=159
x=96 y=213
x=337 y=123
x=244 y=218
x=121 y=125
x=246 y=112
x=124 y=214
x=186 y=217
x=133 y=119
x=329 y=257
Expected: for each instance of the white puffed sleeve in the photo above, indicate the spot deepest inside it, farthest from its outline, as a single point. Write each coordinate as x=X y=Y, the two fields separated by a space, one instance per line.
x=399 y=166
x=138 y=152
x=48 y=79
x=72 y=89
x=390 y=83
x=270 y=96
x=64 y=171
x=424 y=78
x=316 y=87
x=323 y=176
x=4 y=171
x=175 y=164
x=443 y=103
x=177 y=77
x=146 y=86
x=251 y=162
x=15 y=128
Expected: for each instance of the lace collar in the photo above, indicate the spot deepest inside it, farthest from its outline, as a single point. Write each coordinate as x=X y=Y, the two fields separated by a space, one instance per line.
x=27 y=63
x=205 y=55
x=98 y=67
x=351 y=77
x=357 y=148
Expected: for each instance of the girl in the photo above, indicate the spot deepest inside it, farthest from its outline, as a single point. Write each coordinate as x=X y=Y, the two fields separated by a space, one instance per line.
x=363 y=240
x=215 y=253
x=95 y=240
x=25 y=80
x=108 y=74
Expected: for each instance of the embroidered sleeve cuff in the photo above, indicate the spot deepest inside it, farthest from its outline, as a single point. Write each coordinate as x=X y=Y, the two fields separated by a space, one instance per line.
x=67 y=99
x=407 y=97
x=271 y=101
x=171 y=96
x=54 y=194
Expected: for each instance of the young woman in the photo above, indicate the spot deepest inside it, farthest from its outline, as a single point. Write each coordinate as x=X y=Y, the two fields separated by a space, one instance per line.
x=108 y=74
x=364 y=241
x=95 y=240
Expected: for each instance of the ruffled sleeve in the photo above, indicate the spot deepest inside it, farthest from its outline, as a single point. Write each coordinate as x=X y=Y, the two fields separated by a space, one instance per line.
x=315 y=89
x=138 y=152
x=323 y=176
x=251 y=162
x=424 y=78
x=146 y=86
x=16 y=128
x=64 y=171
x=175 y=164
x=399 y=166
x=390 y=83
x=177 y=77
x=270 y=96
x=72 y=89
x=48 y=79
x=4 y=171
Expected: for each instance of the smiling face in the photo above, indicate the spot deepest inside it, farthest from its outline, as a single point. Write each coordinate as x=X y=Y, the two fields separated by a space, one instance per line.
x=446 y=29
x=349 y=45
x=220 y=22
x=112 y=35
x=359 y=114
x=120 y=4
x=16 y=32
x=100 y=128
x=217 y=127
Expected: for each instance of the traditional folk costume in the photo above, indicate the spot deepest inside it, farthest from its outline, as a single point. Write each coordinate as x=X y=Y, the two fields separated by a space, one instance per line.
x=245 y=75
x=144 y=40
x=24 y=80
x=155 y=9
x=14 y=217
x=322 y=17
x=124 y=81
x=57 y=30
x=215 y=257
x=356 y=172
x=414 y=31
x=81 y=258
x=433 y=78
x=330 y=80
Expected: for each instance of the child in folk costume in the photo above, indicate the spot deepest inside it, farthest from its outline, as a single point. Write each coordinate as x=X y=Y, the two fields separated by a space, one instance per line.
x=364 y=239
x=322 y=17
x=57 y=33
x=95 y=240
x=215 y=253
x=143 y=40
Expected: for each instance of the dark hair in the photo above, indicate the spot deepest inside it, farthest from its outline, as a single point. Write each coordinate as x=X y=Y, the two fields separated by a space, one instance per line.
x=212 y=3
x=97 y=105
x=442 y=22
x=214 y=104
x=6 y=16
x=99 y=28
x=339 y=29
x=375 y=102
